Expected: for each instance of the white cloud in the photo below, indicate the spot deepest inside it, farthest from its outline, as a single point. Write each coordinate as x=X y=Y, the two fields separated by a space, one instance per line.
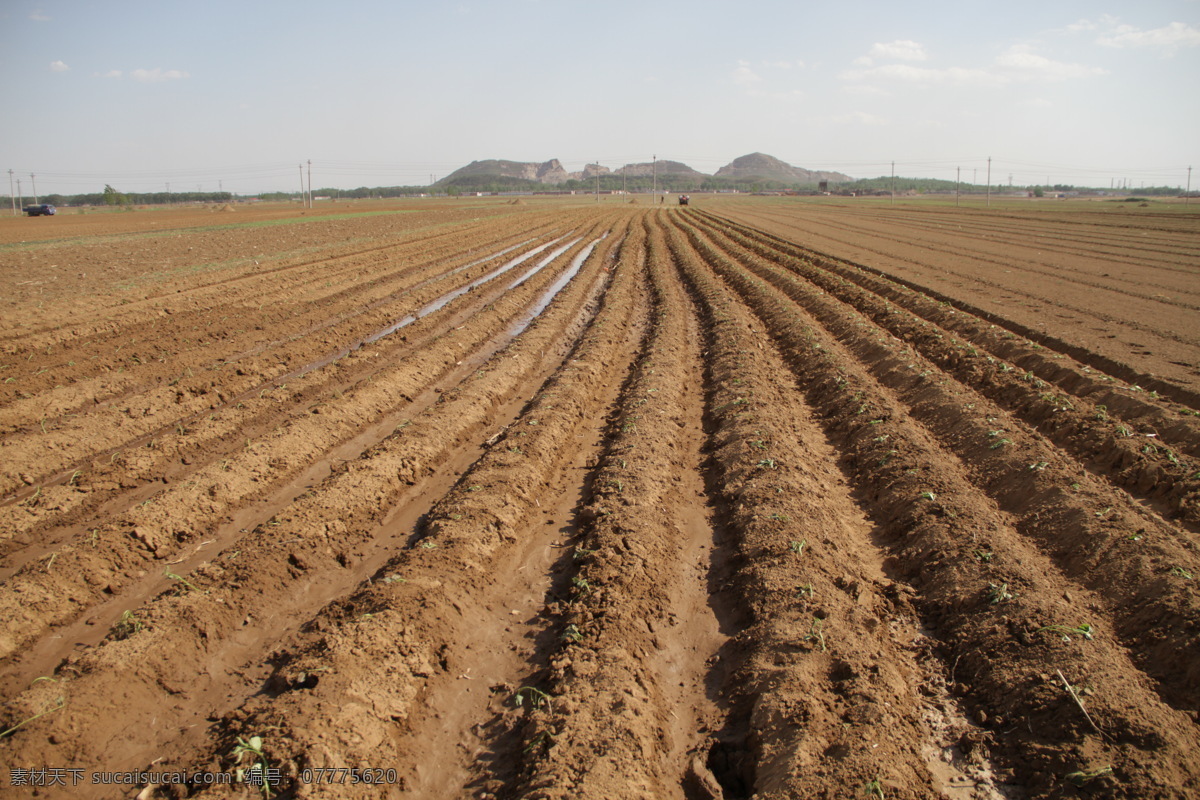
x=1023 y=64
x=39 y=16
x=744 y=76
x=157 y=75
x=1018 y=65
x=58 y=66
x=901 y=49
x=1168 y=38
x=948 y=76
x=112 y=73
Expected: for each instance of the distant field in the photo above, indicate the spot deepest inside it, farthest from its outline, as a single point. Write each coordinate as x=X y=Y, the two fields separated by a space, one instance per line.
x=765 y=496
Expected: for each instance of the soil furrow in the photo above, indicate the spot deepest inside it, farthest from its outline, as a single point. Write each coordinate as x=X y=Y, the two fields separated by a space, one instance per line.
x=921 y=499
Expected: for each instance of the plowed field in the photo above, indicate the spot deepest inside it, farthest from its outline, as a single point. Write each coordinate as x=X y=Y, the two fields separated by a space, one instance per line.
x=744 y=499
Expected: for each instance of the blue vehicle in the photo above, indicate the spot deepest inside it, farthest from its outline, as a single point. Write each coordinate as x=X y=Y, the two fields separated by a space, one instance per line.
x=43 y=210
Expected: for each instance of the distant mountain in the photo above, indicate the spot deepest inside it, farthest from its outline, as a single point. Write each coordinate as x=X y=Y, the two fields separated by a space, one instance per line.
x=661 y=168
x=762 y=167
x=756 y=168
x=550 y=172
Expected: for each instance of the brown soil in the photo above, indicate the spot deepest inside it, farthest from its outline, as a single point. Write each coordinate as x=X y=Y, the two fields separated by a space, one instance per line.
x=748 y=499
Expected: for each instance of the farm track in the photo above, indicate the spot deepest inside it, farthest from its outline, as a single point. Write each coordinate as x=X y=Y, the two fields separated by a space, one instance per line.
x=672 y=507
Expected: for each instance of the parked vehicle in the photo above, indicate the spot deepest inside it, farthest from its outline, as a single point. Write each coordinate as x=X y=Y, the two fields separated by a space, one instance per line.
x=43 y=210
x=683 y=199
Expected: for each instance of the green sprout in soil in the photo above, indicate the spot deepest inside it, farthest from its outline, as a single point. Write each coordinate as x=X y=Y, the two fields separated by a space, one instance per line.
x=999 y=594
x=257 y=773
x=1083 y=629
x=1086 y=776
x=798 y=547
x=534 y=696
x=984 y=555
x=184 y=584
x=1182 y=573
x=127 y=626
x=572 y=634
x=58 y=704
x=816 y=633
x=875 y=789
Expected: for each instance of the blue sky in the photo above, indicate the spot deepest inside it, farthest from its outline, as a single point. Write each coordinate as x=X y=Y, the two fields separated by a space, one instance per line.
x=139 y=93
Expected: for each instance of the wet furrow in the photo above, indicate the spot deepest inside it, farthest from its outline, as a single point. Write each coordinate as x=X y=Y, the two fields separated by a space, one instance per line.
x=391 y=655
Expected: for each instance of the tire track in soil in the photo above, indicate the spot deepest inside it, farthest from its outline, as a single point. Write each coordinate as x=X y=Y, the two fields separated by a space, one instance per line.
x=205 y=626
x=920 y=497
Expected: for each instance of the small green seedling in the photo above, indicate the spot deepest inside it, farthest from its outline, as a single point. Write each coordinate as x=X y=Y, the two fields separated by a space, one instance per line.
x=572 y=634
x=1084 y=777
x=930 y=496
x=816 y=633
x=875 y=789
x=258 y=773
x=798 y=547
x=1182 y=573
x=127 y=626
x=999 y=594
x=1083 y=629
x=58 y=704
x=535 y=697
x=184 y=584
x=985 y=556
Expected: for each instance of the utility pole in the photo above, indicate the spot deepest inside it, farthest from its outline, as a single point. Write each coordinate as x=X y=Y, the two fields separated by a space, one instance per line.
x=654 y=180
x=302 y=201
x=33 y=179
x=20 y=199
x=989 y=182
x=1185 y=194
x=957 y=184
x=13 y=197
x=310 y=200
x=597 y=180
x=893 y=183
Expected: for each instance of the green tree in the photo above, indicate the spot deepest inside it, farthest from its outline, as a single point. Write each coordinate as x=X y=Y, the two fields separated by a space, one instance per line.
x=114 y=198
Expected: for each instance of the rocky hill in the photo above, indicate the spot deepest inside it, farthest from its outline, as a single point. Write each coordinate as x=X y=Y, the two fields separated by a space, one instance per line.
x=755 y=168
x=662 y=168
x=549 y=172
x=762 y=167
